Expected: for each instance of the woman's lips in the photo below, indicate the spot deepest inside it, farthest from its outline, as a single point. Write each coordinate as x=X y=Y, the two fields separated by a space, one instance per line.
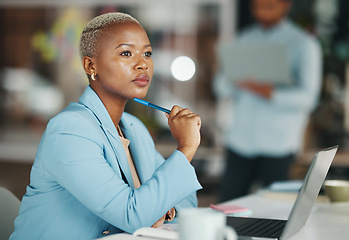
x=141 y=80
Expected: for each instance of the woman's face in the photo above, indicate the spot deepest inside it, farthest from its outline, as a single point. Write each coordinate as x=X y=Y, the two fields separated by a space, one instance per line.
x=123 y=64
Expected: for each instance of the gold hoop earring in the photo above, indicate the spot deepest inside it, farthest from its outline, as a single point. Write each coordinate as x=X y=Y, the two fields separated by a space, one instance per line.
x=93 y=77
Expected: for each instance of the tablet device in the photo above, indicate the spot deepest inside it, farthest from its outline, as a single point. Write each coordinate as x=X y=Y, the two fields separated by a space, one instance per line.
x=265 y=63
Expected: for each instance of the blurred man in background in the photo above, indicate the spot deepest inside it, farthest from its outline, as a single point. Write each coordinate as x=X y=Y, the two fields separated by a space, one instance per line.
x=268 y=124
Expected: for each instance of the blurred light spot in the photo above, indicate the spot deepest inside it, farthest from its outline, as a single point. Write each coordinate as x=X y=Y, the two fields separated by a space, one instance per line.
x=183 y=68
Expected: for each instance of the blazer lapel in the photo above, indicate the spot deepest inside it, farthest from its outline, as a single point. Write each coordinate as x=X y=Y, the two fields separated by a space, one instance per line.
x=91 y=100
x=144 y=169
x=119 y=152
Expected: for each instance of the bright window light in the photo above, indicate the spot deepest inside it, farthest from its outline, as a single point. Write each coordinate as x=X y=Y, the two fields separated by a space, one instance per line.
x=183 y=68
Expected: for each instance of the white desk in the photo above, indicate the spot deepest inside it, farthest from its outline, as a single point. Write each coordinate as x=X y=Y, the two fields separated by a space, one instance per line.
x=326 y=221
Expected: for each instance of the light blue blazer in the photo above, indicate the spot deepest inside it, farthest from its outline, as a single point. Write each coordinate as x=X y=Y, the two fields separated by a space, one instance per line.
x=81 y=185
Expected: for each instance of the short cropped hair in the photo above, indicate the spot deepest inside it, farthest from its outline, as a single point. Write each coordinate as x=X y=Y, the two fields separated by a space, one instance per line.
x=94 y=30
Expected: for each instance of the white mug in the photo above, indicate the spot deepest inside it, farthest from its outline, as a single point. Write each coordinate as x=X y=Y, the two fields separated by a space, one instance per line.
x=204 y=224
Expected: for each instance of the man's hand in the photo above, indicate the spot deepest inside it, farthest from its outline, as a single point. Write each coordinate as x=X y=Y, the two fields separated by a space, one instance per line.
x=264 y=90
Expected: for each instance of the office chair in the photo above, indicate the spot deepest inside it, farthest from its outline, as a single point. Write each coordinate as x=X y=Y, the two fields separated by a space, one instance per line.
x=9 y=208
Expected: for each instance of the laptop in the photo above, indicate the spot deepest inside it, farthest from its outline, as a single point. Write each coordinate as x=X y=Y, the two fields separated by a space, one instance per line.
x=260 y=228
x=267 y=63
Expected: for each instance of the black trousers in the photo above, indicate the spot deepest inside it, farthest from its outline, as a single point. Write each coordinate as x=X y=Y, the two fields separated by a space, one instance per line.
x=241 y=173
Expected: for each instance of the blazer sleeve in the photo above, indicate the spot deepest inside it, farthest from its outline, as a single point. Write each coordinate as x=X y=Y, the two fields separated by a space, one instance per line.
x=188 y=202
x=73 y=155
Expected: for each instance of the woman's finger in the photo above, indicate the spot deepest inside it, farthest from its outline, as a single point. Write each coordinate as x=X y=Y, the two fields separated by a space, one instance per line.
x=174 y=111
x=183 y=112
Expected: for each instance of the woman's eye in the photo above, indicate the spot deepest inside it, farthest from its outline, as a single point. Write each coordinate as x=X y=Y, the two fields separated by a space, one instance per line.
x=148 y=54
x=126 y=53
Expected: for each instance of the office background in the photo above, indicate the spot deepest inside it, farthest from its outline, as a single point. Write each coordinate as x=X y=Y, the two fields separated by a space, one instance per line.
x=40 y=73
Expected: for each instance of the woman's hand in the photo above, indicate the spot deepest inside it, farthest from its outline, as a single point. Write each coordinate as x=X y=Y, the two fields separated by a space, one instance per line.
x=159 y=222
x=185 y=128
x=169 y=216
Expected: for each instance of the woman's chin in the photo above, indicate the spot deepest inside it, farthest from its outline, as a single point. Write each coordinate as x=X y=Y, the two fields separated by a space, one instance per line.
x=139 y=95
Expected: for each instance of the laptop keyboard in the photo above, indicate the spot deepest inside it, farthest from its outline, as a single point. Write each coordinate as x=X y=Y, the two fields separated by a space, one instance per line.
x=257 y=227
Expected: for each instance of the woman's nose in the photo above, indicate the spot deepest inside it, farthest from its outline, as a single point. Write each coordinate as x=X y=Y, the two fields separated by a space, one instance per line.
x=141 y=63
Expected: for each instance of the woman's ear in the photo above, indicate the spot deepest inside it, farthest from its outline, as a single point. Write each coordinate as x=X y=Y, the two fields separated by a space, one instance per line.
x=88 y=65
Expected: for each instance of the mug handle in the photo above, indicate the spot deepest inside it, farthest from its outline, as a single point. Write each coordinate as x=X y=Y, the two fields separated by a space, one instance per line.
x=229 y=233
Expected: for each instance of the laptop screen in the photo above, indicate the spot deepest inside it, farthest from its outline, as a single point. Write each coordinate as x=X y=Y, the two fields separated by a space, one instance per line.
x=308 y=193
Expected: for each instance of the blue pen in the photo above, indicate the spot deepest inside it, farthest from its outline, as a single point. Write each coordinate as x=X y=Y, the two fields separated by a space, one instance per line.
x=148 y=104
